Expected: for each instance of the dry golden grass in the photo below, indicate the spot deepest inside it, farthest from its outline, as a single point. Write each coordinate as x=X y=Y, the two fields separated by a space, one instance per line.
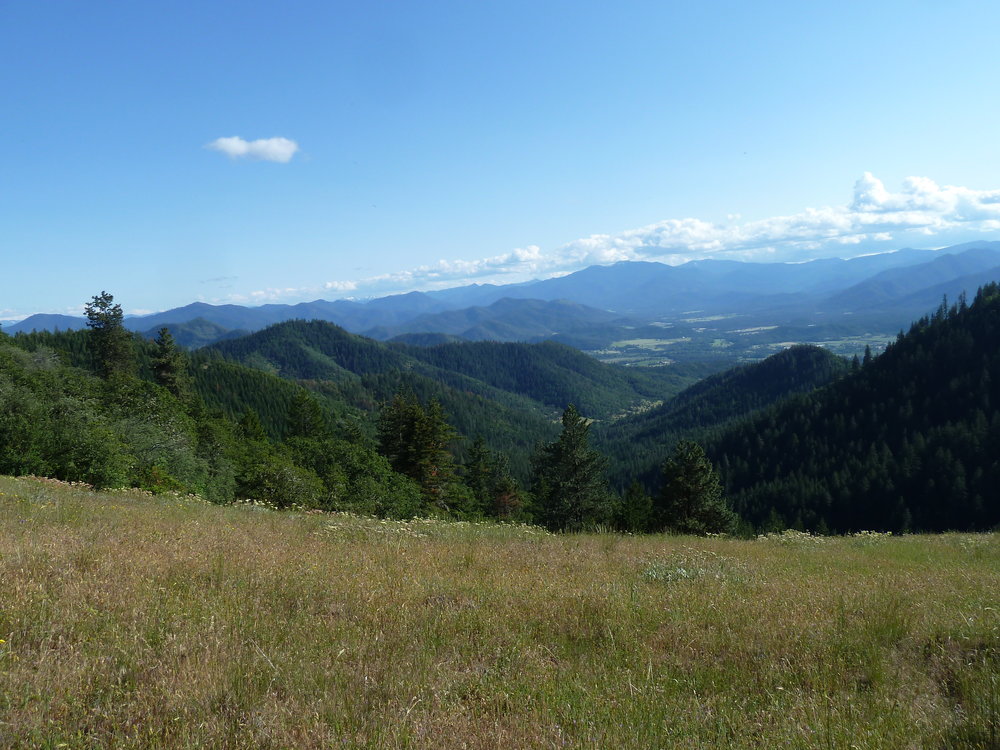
x=130 y=621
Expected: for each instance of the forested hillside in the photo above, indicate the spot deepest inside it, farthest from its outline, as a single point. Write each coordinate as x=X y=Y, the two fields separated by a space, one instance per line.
x=911 y=441
x=638 y=443
x=145 y=424
x=556 y=374
x=368 y=373
x=507 y=393
x=510 y=373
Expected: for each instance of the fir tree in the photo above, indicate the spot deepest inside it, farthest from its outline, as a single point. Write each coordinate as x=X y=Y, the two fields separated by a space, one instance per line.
x=417 y=441
x=170 y=365
x=494 y=490
x=690 y=501
x=569 y=480
x=635 y=512
x=478 y=475
x=111 y=342
x=250 y=427
x=305 y=417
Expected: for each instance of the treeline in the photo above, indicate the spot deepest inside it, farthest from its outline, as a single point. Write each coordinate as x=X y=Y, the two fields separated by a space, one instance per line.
x=910 y=441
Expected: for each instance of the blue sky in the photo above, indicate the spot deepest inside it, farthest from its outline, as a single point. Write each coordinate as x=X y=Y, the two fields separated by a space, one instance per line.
x=395 y=145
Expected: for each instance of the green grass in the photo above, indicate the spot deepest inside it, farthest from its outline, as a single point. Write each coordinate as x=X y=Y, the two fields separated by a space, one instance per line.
x=131 y=621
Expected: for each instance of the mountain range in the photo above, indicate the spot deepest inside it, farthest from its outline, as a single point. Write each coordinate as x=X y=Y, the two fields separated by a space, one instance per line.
x=633 y=312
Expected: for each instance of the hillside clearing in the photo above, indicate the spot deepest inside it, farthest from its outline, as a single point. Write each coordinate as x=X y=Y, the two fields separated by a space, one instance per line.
x=134 y=621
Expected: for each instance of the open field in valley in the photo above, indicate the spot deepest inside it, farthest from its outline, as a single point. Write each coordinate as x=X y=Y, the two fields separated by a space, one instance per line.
x=133 y=621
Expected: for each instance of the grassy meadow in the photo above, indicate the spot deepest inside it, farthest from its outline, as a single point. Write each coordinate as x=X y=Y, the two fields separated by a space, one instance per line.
x=132 y=621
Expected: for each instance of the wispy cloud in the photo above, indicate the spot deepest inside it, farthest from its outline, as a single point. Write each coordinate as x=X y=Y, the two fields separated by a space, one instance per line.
x=444 y=272
x=263 y=149
x=875 y=219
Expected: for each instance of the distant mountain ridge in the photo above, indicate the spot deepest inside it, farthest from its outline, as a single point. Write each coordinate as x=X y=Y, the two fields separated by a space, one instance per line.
x=504 y=320
x=598 y=305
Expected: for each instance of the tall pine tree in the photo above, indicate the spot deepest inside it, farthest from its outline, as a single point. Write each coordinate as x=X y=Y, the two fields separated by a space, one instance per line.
x=691 y=501
x=569 y=479
x=488 y=477
x=417 y=441
x=170 y=365
x=111 y=342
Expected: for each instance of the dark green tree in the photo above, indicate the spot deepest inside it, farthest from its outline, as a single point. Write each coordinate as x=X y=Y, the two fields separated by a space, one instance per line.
x=305 y=417
x=398 y=427
x=250 y=428
x=635 y=512
x=417 y=441
x=170 y=365
x=111 y=342
x=691 y=501
x=487 y=475
x=569 y=479
x=478 y=474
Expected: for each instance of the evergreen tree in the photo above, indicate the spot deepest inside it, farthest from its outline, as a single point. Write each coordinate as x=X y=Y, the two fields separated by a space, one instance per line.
x=398 y=424
x=478 y=475
x=507 y=500
x=417 y=441
x=635 y=512
x=170 y=365
x=111 y=342
x=569 y=480
x=494 y=490
x=305 y=417
x=690 y=501
x=250 y=427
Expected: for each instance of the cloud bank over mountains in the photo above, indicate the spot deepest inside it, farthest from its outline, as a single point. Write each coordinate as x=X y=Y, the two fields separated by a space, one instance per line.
x=875 y=215
x=876 y=219
x=263 y=149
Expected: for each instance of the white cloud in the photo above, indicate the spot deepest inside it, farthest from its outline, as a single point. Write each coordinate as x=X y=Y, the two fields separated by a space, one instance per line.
x=341 y=286
x=263 y=149
x=875 y=220
x=875 y=215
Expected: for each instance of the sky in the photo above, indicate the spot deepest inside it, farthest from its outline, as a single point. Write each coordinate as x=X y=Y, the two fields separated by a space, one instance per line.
x=254 y=152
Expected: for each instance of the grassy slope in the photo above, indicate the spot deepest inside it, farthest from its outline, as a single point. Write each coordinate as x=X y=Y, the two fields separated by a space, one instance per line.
x=136 y=622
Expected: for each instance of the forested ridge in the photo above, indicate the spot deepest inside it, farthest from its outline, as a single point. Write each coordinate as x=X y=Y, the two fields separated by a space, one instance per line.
x=154 y=421
x=911 y=441
x=308 y=414
x=549 y=374
x=508 y=393
x=637 y=442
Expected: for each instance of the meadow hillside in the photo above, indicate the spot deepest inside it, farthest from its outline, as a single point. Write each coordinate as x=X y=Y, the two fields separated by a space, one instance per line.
x=134 y=621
